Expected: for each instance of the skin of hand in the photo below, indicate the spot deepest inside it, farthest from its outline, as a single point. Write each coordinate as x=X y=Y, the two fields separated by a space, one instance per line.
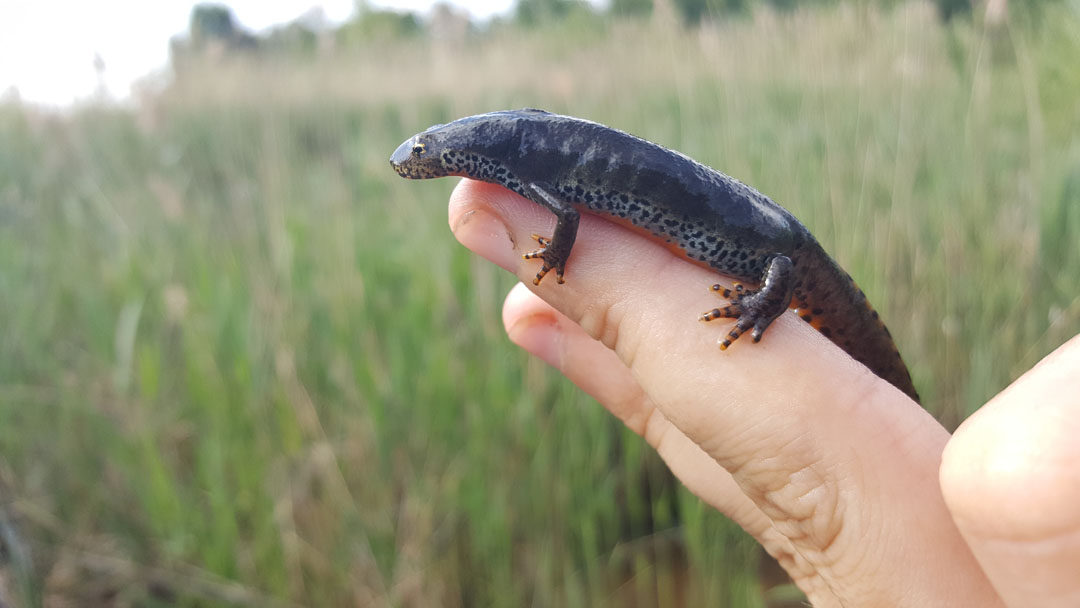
x=833 y=470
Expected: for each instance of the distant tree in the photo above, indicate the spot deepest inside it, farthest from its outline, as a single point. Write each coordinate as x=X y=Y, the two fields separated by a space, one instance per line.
x=304 y=35
x=292 y=38
x=211 y=22
x=950 y=9
x=214 y=25
x=994 y=13
x=782 y=5
x=532 y=12
x=693 y=11
x=631 y=7
x=378 y=24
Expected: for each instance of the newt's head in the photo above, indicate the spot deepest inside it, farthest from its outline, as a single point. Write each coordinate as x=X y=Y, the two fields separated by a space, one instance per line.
x=420 y=156
x=466 y=147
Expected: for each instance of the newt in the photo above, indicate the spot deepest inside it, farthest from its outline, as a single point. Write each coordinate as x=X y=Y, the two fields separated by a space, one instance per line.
x=570 y=165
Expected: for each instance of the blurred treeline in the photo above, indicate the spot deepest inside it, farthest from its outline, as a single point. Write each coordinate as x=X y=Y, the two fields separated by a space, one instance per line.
x=213 y=22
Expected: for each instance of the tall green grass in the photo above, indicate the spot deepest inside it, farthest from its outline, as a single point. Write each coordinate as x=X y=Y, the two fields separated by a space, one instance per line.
x=244 y=363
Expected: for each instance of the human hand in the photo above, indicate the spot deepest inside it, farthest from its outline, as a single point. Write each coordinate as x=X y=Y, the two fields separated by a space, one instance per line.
x=833 y=470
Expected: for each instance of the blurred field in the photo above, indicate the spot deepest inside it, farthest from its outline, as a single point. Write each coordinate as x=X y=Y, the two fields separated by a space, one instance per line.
x=244 y=364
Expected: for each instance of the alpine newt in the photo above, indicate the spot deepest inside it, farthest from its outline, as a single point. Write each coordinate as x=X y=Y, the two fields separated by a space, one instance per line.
x=570 y=165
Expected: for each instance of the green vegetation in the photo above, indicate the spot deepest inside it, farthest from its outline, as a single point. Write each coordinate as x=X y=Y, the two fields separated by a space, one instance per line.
x=244 y=363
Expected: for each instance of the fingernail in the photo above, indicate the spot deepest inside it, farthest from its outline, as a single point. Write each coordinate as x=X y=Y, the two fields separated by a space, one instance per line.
x=540 y=336
x=488 y=236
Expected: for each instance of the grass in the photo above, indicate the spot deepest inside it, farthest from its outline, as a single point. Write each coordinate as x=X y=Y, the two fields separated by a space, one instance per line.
x=245 y=364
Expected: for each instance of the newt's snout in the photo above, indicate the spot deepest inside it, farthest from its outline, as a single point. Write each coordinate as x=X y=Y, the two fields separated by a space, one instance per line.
x=415 y=160
x=399 y=160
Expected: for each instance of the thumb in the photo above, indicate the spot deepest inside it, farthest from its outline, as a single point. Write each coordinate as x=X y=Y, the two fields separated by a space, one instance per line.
x=1010 y=478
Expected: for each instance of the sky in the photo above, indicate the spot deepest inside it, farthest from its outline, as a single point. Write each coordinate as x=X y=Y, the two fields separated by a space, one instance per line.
x=48 y=47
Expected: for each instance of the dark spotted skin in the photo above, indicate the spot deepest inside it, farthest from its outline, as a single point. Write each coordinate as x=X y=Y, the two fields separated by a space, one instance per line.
x=570 y=165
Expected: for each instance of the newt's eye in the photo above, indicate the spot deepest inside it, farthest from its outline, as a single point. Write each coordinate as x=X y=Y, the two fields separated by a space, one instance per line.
x=418 y=149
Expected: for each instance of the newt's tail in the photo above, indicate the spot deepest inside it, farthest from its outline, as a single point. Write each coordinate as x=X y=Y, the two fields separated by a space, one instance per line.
x=828 y=298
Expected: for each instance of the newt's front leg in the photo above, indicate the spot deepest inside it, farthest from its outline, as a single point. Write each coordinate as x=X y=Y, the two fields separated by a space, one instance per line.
x=756 y=308
x=556 y=250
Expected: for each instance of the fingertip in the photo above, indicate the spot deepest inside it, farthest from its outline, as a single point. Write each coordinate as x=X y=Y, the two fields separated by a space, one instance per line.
x=466 y=196
x=1016 y=455
x=1009 y=478
x=477 y=224
x=532 y=324
x=519 y=303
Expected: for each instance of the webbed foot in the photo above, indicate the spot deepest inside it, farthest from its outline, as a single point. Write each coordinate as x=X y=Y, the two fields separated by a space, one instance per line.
x=551 y=262
x=755 y=308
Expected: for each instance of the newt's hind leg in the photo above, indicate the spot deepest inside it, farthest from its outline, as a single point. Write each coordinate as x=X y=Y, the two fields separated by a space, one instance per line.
x=554 y=251
x=756 y=308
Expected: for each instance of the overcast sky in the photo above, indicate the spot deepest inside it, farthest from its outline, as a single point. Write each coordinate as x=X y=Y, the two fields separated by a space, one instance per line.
x=47 y=47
